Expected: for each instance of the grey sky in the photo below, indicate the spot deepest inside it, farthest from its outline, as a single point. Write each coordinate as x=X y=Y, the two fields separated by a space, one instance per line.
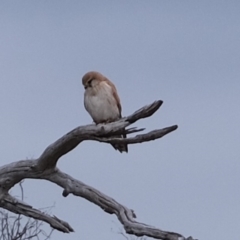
x=186 y=53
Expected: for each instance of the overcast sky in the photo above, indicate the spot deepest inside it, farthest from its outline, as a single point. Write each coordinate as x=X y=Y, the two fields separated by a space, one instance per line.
x=186 y=53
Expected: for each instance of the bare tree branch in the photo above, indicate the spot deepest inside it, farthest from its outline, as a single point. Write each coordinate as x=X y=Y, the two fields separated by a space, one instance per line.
x=12 y=227
x=150 y=136
x=44 y=167
x=12 y=204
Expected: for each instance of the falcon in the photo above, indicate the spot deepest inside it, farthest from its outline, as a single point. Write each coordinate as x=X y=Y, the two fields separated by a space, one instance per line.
x=102 y=102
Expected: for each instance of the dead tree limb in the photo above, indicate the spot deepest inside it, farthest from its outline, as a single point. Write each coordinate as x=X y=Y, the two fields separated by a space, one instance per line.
x=45 y=167
x=15 y=227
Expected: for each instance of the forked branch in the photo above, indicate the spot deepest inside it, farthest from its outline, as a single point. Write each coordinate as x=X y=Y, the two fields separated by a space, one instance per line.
x=44 y=167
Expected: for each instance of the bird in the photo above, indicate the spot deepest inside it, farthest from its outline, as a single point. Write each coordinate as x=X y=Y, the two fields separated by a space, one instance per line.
x=102 y=102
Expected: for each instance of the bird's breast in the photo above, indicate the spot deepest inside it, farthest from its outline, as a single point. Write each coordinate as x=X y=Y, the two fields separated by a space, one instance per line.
x=102 y=105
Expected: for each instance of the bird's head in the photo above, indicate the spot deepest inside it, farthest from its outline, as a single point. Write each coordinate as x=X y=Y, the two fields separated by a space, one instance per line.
x=92 y=79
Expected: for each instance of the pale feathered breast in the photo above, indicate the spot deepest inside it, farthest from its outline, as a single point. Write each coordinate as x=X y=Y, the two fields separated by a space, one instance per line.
x=101 y=104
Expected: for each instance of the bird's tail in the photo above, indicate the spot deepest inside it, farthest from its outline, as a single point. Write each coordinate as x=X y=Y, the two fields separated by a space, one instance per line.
x=121 y=147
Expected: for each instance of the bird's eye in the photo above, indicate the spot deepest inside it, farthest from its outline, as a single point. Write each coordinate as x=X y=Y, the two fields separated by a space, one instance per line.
x=90 y=82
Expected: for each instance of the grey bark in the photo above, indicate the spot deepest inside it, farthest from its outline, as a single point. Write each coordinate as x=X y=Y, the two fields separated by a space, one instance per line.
x=45 y=167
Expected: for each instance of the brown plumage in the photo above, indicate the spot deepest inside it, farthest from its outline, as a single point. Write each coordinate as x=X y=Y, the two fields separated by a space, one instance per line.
x=102 y=102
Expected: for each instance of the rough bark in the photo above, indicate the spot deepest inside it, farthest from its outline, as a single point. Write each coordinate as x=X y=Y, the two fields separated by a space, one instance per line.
x=45 y=167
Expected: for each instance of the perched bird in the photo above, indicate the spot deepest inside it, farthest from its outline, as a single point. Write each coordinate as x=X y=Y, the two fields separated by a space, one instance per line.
x=102 y=102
